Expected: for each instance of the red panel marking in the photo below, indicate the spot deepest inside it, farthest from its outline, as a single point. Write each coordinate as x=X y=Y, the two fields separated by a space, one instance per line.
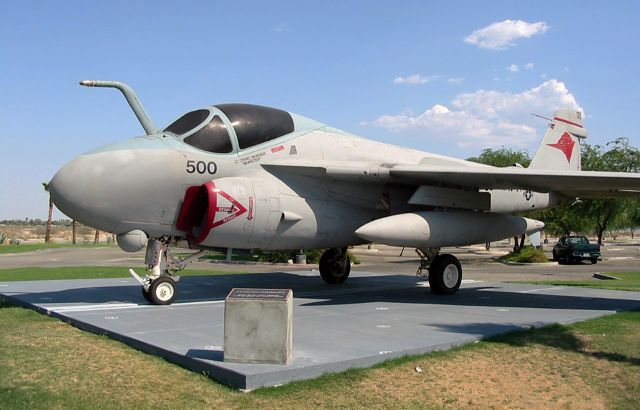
x=565 y=144
x=250 y=216
x=567 y=121
x=278 y=148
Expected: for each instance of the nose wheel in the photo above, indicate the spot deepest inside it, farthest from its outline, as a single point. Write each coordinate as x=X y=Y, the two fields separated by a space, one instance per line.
x=162 y=291
x=159 y=285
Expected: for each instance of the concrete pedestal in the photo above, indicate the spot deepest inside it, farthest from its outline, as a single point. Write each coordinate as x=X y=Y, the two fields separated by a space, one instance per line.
x=258 y=326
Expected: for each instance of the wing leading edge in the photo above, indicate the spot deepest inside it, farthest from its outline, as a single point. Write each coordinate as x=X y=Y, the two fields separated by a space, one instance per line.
x=570 y=183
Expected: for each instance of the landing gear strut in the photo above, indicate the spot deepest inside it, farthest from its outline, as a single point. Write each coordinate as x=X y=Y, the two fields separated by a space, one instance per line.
x=444 y=272
x=335 y=265
x=159 y=284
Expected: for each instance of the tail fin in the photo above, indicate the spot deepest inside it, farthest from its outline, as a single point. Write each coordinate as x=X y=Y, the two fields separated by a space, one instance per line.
x=560 y=147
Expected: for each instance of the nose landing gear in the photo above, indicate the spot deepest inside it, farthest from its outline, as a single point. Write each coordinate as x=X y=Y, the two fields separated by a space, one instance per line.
x=159 y=284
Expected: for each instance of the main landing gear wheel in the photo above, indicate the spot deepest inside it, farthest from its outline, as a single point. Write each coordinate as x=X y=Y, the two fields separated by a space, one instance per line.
x=335 y=265
x=162 y=291
x=445 y=275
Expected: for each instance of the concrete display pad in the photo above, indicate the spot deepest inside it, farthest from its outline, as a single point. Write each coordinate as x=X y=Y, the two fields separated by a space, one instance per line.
x=368 y=319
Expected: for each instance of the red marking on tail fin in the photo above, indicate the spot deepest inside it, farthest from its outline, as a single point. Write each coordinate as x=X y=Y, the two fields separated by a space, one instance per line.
x=565 y=144
x=567 y=121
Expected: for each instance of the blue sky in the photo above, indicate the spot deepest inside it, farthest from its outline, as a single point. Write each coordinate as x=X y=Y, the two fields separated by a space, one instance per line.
x=447 y=78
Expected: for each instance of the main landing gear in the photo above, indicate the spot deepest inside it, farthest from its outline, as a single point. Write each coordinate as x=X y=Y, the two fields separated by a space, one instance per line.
x=444 y=272
x=335 y=265
x=159 y=284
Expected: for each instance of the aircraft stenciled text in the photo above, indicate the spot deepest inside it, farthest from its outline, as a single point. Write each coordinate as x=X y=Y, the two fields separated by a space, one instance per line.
x=250 y=159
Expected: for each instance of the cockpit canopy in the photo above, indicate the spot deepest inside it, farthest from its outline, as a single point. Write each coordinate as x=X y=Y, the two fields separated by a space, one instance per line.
x=206 y=129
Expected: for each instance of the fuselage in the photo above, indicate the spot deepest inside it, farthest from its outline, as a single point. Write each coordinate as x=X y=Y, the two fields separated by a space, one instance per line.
x=141 y=183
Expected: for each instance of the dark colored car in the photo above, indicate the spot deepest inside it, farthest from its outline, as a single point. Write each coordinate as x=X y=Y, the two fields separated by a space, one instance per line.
x=573 y=249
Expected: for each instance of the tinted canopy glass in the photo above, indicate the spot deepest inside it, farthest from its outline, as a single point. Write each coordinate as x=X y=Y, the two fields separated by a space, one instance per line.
x=187 y=122
x=255 y=124
x=213 y=137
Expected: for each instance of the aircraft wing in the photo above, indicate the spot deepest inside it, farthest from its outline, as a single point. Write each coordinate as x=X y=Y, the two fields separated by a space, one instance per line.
x=570 y=183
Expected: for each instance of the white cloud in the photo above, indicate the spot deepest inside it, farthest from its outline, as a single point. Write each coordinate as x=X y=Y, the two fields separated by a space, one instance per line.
x=513 y=68
x=455 y=80
x=502 y=35
x=484 y=118
x=546 y=97
x=415 y=79
x=529 y=66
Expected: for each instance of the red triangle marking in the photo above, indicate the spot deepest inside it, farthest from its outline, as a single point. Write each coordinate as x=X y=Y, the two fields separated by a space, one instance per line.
x=240 y=209
x=565 y=144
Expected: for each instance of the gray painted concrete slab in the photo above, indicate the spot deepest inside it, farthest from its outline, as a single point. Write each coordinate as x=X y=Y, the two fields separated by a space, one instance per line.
x=368 y=319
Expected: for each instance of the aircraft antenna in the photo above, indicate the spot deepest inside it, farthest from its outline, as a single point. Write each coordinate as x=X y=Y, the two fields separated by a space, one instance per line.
x=540 y=116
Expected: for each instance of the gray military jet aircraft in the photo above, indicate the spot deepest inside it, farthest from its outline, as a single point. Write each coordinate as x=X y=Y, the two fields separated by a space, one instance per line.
x=251 y=177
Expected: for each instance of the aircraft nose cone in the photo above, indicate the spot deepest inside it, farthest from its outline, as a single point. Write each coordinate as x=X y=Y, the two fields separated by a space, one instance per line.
x=74 y=190
x=136 y=184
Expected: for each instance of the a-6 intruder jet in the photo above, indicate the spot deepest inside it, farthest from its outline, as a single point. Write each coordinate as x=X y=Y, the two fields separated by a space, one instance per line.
x=252 y=177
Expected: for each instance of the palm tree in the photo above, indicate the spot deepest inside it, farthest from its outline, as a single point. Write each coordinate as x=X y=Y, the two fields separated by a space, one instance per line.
x=47 y=235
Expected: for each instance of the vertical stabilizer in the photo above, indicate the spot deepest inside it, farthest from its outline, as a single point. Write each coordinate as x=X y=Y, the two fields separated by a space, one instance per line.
x=560 y=147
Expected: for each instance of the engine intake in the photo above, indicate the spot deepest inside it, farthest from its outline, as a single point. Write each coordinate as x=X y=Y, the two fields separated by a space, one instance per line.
x=233 y=212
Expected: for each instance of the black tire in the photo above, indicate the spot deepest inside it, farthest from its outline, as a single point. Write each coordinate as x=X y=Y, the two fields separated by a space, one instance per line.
x=594 y=261
x=335 y=266
x=445 y=275
x=146 y=295
x=162 y=291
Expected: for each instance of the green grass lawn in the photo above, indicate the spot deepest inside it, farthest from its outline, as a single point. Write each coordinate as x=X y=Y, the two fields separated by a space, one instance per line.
x=628 y=281
x=86 y=272
x=45 y=363
x=32 y=247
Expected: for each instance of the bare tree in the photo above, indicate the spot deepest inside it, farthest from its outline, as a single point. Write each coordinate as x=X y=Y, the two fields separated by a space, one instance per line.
x=47 y=235
x=74 y=225
x=96 y=239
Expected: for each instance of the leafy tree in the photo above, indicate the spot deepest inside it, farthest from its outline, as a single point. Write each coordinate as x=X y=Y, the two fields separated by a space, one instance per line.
x=502 y=157
x=622 y=157
x=563 y=220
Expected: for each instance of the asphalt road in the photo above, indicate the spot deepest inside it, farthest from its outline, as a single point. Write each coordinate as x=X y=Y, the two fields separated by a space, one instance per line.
x=477 y=263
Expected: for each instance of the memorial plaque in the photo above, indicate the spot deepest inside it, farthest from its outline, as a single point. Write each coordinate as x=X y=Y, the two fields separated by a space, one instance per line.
x=253 y=293
x=258 y=326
